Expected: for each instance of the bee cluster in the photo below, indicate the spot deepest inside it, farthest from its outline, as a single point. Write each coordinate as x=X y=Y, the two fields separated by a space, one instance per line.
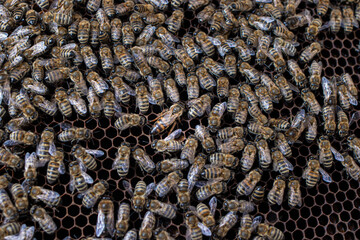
x=137 y=68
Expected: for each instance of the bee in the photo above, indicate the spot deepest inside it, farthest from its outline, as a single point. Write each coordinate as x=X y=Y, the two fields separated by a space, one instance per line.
x=49 y=197
x=215 y=116
x=277 y=59
x=273 y=90
x=195 y=170
x=191 y=48
x=195 y=228
x=107 y=61
x=70 y=133
x=189 y=149
x=311 y=124
x=295 y=21
x=40 y=215
x=218 y=173
x=142 y=98
x=349 y=20
x=159 y=64
x=216 y=21
x=147 y=226
x=170 y=165
x=285 y=46
x=233 y=100
x=326 y=152
x=42 y=3
x=205 y=214
x=46 y=147
x=264 y=97
x=20 y=197
x=280 y=30
x=225 y=224
x=346 y=79
x=79 y=178
x=171 y=90
x=352 y=169
x=21 y=137
x=109 y=8
x=291 y=6
x=92 y=195
x=244 y=51
x=248 y=93
x=247 y=226
x=124 y=8
x=22 y=101
x=57 y=76
x=343 y=122
x=262 y=51
x=8 y=229
x=45 y=105
x=160 y=208
x=109 y=104
x=122 y=159
x=63 y=102
x=85 y=156
x=294 y=193
x=9 y=159
x=167 y=118
x=139 y=196
x=205 y=79
x=272 y=11
x=105 y=218
x=223 y=160
x=310 y=101
x=143 y=160
x=313 y=30
x=205 y=15
x=315 y=75
x=183 y=194
x=354 y=145
x=206 y=45
x=94 y=33
x=97 y=82
x=30 y=173
x=309 y=52
x=248 y=157
x=83 y=31
x=230 y=66
x=261 y=22
x=271 y=232
x=34 y=86
x=238 y=205
x=122 y=91
x=241 y=113
x=192 y=84
x=211 y=188
x=174 y=21
x=345 y=97
x=161 y=234
x=115 y=31
x=8 y=209
x=328 y=114
x=231 y=145
x=31 y=17
x=145 y=35
x=56 y=166
x=127 y=120
x=165 y=185
x=258 y=194
x=169 y=144
x=95 y=105
x=313 y=171
x=179 y=73
x=39 y=48
x=128 y=74
x=230 y=132
x=247 y=185
x=90 y=58
x=182 y=56
x=297 y=127
x=128 y=36
x=122 y=222
x=140 y=61
x=202 y=134
x=276 y=193
x=123 y=56
x=5 y=180
x=261 y=130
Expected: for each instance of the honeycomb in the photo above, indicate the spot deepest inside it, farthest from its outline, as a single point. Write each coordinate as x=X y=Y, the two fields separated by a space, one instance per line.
x=329 y=211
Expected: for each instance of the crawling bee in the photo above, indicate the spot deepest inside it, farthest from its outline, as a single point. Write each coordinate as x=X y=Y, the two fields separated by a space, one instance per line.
x=22 y=102
x=162 y=209
x=313 y=171
x=238 y=205
x=78 y=177
x=343 y=121
x=261 y=22
x=167 y=118
x=255 y=112
x=174 y=21
x=63 y=102
x=206 y=45
x=161 y=234
x=271 y=232
x=247 y=226
x=311 y=125
x=276 y=193
x=310 y=101
x=247 y=185
x=315 y=75
x=34 y=86
x=7 y=207
x=77 y=102
x=215 y=116
x=169 y=144
x=252 y=75
x=297 y=127
x=225 y=224
x=5 y=180
x=142 y=40
x=241 y=113
x=278 y=60
x=97 y=82
x=85 y=156
x=46 y=223
x=204 y=137
x=248 y=157
x=21 y=137
x=212 y=187
x=346 y=79
x=106 y=57
x=349 y=20
x=242 y=48
x=346 y=99
x=105 y=218
x=195 y=228
x=92 y=195
x=352 y=169
x=20 y=197
x=328 y=115
x=122 y=222
x=231 y=145
x=49 y=197
x=157 y=95
x=230 y=66
x=165 y=185
x=122 y=92
x=171 y=90
x=262 y=49
x=147 y=226
x=280 y=30
x=46 y=147
x=354 y=145
x=198 y=106
x=294 y=193
x=309 y=52
x=56 y=166
x=183 y=194
x=122 y=159
x=291 y=6
x=170 y=165
x=9 y=159
x=70 y=133
x=189 y=149
x=248 y=94
x=191 y=48
x=326 y=152
x=297 y=73
x=265 y=100
x=143 y=160
x=261 y=130
x=139 y=195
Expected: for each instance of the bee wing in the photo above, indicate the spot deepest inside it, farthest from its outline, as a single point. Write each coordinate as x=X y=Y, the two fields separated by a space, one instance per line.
x=87 y=178
x=325 y=176
x=256 y=221
x=214 y=41
x=100 y=225
x=39 y=47
x=298 y=117
x=354 y=117
x=288 y=164
x=10 y=143
x=128 y=188
x=110 y=223
x=52 y=149
x=48 y=105
x=326 y=25
x=326 y=86
x=352 y=99
x=213 y=205
x=62 y=168
x=72 y=184
x=95 y=153
x=204 y=229
x=174 y=135
x=48 y=195
x=338 y=156
x=65 y=126
x=150 y=188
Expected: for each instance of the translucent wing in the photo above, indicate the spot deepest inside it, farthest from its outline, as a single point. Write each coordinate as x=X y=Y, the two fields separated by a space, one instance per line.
x=214 y=41
x=150 y=188
x=48 y=195
x=95 y=153
x=87 y=178
x=48 y=105
x=256 y=221
x=69 y=46
x=326 y=86
x=174 y=135
x=127 y=187
x=37 y=48
x=289 y=164
x=325 y=176
x=110 y=223
x=213 y=205
x=72 y=184
x=352 y=99
x=204 y=229
x=52 y=149
x=100 y=225
x=10 y=143
x=62 y=168
x=65 y=126
x=300 y=116
x=338 y=156
x=354 y=117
